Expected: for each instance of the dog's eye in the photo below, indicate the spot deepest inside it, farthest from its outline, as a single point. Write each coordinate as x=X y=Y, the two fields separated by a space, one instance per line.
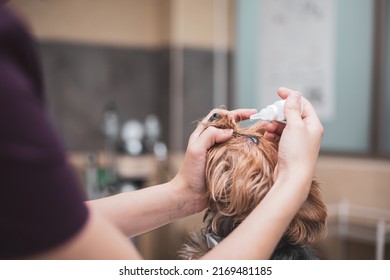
x=214 y=117
x=253 y=138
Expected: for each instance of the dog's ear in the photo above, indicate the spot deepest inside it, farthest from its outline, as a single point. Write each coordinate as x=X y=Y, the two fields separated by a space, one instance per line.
x=309 y=225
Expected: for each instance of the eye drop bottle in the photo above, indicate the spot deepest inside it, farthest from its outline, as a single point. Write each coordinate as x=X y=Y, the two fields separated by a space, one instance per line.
x=274 y=112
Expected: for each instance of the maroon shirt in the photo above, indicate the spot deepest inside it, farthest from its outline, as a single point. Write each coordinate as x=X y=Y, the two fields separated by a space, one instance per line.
x=41 y=200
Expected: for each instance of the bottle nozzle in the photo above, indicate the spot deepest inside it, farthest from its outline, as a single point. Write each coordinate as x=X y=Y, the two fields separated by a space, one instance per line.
x=262 y=115
x=267 y=114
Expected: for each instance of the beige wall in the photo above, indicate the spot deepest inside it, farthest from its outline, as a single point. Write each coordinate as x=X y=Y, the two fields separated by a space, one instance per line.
x=361 y=181
x=140 y=23
x=119 y=22
x=203 y=23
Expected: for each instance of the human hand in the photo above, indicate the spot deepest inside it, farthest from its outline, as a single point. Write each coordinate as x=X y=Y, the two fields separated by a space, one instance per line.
x=299 y=139
x=191 y=176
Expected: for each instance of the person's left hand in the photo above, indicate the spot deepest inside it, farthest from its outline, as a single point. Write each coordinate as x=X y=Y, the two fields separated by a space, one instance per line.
x=192 y=173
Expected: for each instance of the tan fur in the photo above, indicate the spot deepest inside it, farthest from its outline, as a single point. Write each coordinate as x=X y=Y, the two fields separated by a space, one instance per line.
x=239 y=173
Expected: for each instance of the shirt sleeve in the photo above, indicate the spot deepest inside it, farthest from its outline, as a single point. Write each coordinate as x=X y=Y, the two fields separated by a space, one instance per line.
x=41 y=199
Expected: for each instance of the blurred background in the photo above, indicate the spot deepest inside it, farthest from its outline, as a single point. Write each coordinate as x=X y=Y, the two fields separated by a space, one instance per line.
x=127 y=80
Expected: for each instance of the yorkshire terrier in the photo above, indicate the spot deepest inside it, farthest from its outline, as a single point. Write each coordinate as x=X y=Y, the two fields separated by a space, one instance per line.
x=239 y=173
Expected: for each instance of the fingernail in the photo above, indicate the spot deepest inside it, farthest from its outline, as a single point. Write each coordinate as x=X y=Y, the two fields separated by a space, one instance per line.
x=228 y=131
x=295 y=96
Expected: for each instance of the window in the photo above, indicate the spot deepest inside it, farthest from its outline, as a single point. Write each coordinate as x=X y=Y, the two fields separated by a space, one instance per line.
x=360 y=123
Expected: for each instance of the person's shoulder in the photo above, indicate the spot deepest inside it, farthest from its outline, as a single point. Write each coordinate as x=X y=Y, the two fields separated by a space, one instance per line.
x=9 y=21
x=13 y=29
x=19 y=48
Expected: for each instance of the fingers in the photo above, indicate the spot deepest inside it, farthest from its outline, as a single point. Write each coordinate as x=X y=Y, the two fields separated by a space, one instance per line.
x=242 y=114
x=308 y=109
x=202 y=140
x=284 y=92
x=213 y=135
x=238 y=114
x=272 y=136
x=274 y=130
x=309 y=115
x=292 y=107
x=274 y=127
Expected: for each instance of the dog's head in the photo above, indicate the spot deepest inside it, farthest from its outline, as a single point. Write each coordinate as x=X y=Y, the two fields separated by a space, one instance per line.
x=240 y=172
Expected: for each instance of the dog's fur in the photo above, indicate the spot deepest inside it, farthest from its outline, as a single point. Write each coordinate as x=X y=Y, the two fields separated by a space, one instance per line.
x=239 y=173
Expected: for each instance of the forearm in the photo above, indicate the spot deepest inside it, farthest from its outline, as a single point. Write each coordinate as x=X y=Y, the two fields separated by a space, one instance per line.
x=98 y=239
x=143 y=210
x=257 y=236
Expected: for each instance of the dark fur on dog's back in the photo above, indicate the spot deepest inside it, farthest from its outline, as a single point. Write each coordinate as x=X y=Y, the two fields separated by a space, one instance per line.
x=288 y=251
x=239 y=173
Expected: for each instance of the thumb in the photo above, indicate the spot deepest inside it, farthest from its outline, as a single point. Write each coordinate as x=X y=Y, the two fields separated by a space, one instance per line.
x=292 y=107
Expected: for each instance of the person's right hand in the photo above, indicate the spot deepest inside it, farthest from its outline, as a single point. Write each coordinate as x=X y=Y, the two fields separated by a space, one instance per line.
x=299 y=140
x=299 y=143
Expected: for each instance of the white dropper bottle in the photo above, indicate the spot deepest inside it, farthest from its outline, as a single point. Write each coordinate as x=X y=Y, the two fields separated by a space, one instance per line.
x=274 y=112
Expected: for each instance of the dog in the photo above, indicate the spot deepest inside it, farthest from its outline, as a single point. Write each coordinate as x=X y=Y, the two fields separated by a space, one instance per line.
x=239 y=173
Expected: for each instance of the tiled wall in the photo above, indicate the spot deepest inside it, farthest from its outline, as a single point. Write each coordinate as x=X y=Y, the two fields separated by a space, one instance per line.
x=81 y=79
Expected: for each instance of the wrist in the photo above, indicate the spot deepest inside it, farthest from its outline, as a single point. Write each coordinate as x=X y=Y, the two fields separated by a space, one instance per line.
x=189 y=200
x=295 y=184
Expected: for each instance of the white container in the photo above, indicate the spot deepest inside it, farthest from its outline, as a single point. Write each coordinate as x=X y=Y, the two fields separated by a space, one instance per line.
x=274 y=112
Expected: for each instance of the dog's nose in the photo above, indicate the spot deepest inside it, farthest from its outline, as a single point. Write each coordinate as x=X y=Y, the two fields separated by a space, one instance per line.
x=214 y=117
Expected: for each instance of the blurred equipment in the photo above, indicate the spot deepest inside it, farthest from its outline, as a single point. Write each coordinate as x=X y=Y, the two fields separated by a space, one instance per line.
x=111 y=131
x=132 y=135
x=152 y=132
x=91 y=177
